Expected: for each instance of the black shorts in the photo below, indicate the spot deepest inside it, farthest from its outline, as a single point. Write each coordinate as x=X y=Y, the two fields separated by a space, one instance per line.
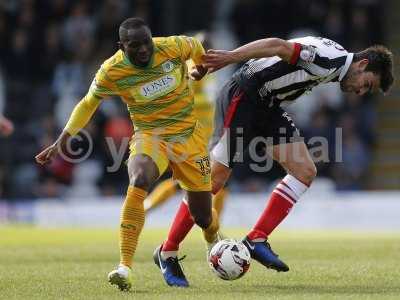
x=244 y=124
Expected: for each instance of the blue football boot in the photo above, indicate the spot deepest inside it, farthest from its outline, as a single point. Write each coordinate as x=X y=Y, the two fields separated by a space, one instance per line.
x=171 y=269
x=262 y=252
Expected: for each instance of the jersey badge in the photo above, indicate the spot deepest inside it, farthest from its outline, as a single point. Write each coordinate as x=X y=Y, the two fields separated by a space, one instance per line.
x=168 y=66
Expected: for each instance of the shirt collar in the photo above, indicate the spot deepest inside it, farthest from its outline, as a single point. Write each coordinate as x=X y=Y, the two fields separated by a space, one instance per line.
x=346 y=65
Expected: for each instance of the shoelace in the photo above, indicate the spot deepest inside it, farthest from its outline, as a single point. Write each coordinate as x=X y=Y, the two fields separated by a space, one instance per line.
x=177 y=270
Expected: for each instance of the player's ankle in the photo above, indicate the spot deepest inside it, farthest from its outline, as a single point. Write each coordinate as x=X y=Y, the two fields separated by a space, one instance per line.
x=210 y=237
x=257 y=236
x=169 y=246
x=122 y=265
x=167 y=254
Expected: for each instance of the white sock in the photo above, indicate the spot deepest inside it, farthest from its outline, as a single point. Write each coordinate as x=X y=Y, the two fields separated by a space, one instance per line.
x=291 y=188
x=167 y=254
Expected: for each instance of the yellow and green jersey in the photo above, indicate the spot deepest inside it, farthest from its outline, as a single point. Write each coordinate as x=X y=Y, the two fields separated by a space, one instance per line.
x=203 y=105
x=158 y=96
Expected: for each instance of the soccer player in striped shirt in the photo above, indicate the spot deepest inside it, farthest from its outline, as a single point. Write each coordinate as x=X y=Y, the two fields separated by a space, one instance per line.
x=248 y=108
x=204 y=111
x=151 y=77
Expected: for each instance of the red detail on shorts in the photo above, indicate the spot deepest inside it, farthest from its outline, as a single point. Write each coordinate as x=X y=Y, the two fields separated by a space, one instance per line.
x=296 y=54
x=232 y=109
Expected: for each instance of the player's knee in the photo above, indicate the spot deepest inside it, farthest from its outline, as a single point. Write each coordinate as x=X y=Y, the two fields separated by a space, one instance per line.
x=202 y=221
x=142 y=171
x=219 y=176
x=308 y=173
x=140 y=180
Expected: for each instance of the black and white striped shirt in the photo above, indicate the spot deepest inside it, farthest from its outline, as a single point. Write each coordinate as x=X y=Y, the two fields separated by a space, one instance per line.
x=274 y=78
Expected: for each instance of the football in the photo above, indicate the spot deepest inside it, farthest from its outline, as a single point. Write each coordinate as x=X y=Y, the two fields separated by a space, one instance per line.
x=229 y=259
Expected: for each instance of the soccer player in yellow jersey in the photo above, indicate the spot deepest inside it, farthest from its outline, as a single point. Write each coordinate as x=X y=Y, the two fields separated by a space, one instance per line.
x=151 y=77
x=204 y=111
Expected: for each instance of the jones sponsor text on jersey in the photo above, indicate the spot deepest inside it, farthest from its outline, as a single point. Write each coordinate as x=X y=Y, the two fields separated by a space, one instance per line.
x=158 y=87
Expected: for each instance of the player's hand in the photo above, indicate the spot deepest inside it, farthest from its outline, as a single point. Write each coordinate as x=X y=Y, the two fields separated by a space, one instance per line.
x=197 y=73
x=6 y=126
x=217 y=59
x=47 y=154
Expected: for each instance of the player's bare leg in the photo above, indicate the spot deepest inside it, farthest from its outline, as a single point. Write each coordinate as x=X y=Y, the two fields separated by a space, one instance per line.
x=199 y=204
x=219 y=176
x=294 y=157
x=296 y=160
x=205 y=216
x=142 y=173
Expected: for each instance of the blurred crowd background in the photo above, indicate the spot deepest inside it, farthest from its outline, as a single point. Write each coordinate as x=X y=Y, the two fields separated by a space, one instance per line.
x=51 y=49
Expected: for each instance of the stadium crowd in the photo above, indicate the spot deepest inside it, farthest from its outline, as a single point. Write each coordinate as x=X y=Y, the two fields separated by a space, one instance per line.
x=50 y=51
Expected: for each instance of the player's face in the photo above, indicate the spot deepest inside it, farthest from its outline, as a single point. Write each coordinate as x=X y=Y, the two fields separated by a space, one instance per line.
x=138 y=46
x=359 y=81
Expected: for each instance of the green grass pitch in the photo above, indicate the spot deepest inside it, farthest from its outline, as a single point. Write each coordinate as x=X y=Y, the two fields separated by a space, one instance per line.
x=73 y=264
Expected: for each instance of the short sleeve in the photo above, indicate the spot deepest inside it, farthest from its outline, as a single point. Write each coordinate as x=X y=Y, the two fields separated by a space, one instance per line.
x=190 y=48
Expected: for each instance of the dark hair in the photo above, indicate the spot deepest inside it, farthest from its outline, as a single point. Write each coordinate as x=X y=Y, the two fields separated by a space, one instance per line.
x=380 y=62
x=133 y=23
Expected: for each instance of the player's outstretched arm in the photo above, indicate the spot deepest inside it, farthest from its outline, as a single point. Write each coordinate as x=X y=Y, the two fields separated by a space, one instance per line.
x=100 y=88
x=216 y=59
x=80 y=116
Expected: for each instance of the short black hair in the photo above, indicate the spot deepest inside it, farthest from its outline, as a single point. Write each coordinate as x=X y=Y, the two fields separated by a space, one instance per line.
x=380 y=62
x=133 y=23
